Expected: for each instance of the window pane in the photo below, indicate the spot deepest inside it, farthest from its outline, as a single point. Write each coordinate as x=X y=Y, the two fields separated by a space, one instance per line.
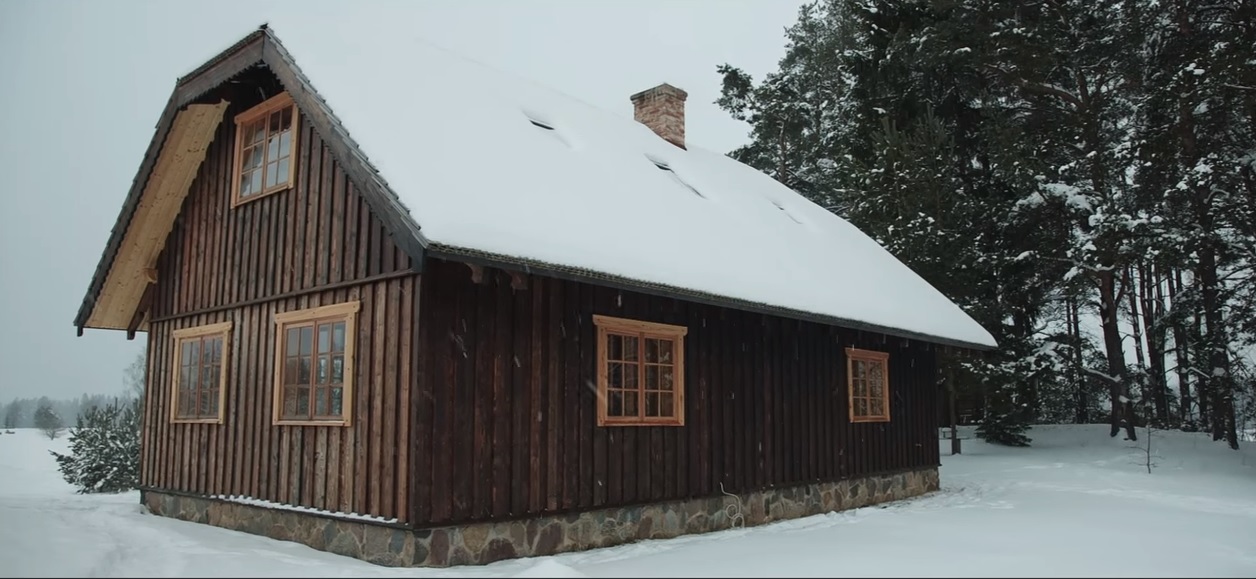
x=285 y=144
x=202 y=409
x=211 y=409
x=320 y=401
x=614 y=347
x=216 y=343
x=324 y=338
x=615 y=403
x=286 y=120
x=323 y=363
x=875 y=388
x=630 y=348
x=338 y=369
x=614 y=375
x=193 y=377
x=257 y=132
x=289 y=400
x=271 y=175
x=861 y=407
x=253 y=158
x=337 y=401
x=255 y=180
x=294 y=341
x=631 y=378
x=307 y=340
x=667 y=405
x=303 y=400
x=272 y=148
x=651 y=350
x=275 y=118
x=632 y=400
x=185 y=376
x=246 y=184
x=291 y=369
x=281 y=174
x=666 y=351
x=651 y=377
x=303 y=370
x=876 y=372
x=651 y=404
x=877 y=407
x=338 y=337
x=667 y=377
x=193 y=352
x=185 y=359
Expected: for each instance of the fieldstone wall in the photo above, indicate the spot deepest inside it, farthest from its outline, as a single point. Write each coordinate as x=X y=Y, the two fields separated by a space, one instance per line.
x=480 y=543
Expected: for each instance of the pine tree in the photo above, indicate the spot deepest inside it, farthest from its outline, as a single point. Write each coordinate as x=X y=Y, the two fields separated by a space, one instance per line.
x=47 y=420
x=104 y=449
x=12 y=414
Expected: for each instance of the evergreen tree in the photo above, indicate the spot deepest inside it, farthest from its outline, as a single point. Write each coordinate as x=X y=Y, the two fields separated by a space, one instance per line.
x=13 y=414
x=47 y=420
x=104 y=449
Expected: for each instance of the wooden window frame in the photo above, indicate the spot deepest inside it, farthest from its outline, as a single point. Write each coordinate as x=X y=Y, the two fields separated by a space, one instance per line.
x=346 y=311
x=608 y=325
x=270 y=105
x=222 y=329
x=883 y=358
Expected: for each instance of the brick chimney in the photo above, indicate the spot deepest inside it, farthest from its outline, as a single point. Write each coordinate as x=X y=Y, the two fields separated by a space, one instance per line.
x=662 y=108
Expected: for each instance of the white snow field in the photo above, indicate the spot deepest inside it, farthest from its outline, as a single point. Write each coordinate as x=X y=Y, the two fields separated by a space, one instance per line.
x=1077 y=503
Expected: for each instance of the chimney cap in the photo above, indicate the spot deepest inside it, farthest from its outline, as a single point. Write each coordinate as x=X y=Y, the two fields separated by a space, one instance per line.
x=660 y=90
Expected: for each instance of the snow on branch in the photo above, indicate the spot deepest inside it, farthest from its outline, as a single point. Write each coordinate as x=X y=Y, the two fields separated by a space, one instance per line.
x=1038 y=88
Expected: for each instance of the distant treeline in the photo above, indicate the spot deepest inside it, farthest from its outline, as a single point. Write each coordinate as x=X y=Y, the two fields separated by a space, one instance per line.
x=20 y=412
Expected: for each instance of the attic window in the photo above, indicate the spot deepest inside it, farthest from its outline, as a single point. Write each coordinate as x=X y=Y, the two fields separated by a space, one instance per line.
x=664 y=167
x=265 y=160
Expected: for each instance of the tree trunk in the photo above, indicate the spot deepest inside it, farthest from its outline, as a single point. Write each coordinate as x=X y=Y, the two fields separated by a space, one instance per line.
x=1181 y=353
x=1132 y=290
x=1122 y=406
x=1079 y=376
x=1153 y=319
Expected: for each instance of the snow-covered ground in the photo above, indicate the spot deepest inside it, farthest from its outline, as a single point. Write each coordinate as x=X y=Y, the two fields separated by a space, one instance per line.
x=1077 y=503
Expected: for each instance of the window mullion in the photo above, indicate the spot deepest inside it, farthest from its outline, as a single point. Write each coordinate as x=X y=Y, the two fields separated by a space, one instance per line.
x=310 y=392
x=200 y=373
x=641 y=377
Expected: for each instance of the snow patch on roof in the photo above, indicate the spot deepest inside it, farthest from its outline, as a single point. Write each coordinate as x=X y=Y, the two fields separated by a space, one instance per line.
x=459 y=142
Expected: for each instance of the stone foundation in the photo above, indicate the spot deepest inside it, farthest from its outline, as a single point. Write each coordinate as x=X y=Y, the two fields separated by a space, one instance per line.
x=479 y=543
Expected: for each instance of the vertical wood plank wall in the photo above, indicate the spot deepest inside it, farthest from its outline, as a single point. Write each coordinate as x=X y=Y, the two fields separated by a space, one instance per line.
x=241 y=260
x=506 y=421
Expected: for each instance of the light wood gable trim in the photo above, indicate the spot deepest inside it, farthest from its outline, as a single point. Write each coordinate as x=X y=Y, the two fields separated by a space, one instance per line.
x=176 y=167
x=883 y=358
x=270 y=105
x=347 y=311
x=610 y=325
x=223 y=329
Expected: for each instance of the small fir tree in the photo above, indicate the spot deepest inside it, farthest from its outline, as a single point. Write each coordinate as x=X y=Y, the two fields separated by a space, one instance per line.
x=104 y=449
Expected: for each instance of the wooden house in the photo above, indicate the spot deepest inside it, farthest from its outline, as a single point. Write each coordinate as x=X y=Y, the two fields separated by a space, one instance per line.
x=522 y=325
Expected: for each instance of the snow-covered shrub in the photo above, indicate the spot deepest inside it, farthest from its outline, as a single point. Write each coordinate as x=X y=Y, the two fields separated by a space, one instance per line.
x=104 y=449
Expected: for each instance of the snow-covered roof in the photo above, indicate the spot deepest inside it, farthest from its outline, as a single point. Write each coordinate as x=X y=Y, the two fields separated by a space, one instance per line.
x=492 y=164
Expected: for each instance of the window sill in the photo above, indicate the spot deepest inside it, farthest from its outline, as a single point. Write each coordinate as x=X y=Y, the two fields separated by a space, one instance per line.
x=669 y=422
x=196 y=420
x=873 y=419
x=311 y=423
x=236 y=201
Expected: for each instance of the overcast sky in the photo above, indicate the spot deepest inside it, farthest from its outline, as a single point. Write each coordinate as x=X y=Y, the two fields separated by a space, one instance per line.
x=84 y=82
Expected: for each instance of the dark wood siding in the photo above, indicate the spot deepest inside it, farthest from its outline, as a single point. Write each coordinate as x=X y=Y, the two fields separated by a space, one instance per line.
x=506 y=418
x=314 y=245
